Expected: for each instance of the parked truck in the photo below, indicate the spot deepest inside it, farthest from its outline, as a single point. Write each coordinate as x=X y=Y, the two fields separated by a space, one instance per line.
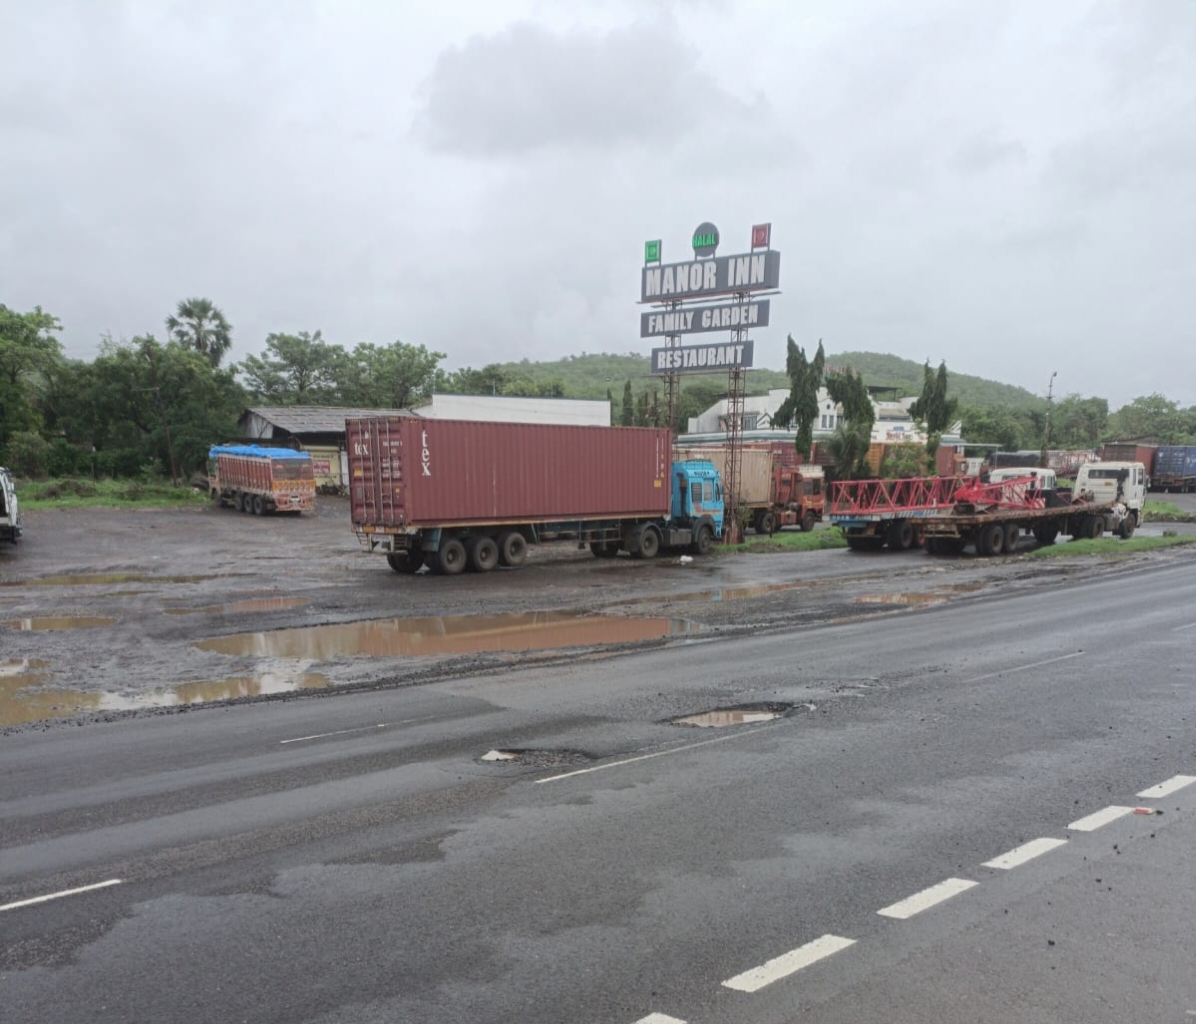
x=774 y=492
x=455 y=494
x=876 y=513
x=1129 y=451
x=10 y=515
x=992 y=517
x=261 y=480
x=1175 y=468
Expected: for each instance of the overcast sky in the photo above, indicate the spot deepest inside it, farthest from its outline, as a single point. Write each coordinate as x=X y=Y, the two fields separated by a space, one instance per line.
x=1009 y=186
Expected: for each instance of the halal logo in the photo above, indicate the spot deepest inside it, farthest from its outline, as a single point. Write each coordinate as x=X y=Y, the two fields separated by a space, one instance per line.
x=705 y=239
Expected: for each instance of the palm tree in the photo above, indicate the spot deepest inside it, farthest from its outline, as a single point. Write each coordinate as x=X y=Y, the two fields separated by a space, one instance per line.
x=199 y=324
x=849 y=448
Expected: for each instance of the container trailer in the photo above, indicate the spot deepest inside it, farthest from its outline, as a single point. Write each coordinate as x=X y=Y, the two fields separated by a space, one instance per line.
x=261 y=480
x=456 y=494
x=1175 y=468
x=1127 y=451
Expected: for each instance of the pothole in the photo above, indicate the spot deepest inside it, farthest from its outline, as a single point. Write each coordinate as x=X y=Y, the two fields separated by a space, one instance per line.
x=536 y=758
x=747 y=714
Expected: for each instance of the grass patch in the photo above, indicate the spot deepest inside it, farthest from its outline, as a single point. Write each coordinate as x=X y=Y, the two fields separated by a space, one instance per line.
x=1108 y=546
x=106 y=494
x=1165 y=512
x=788 y=540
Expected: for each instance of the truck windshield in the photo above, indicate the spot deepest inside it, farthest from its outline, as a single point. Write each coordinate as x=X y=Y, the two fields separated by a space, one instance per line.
x=1104 y=474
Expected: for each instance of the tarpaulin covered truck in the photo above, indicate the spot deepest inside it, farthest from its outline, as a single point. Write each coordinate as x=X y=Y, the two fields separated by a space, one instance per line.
x=455 y=494
x=261 y=480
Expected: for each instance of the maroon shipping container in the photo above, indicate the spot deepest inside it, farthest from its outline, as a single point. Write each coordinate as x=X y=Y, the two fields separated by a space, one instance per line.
x=1124 y=452
x=408 y=473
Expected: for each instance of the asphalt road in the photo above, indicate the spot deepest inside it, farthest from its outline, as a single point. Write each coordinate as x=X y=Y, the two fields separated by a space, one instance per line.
x=352 y=859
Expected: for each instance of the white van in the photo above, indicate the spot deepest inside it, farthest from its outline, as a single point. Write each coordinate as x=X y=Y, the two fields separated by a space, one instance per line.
x=1045 y=478
x=10 y=517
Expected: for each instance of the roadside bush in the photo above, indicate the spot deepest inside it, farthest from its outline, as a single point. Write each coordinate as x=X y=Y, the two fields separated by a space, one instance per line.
x=66 y=460
x=26 y=454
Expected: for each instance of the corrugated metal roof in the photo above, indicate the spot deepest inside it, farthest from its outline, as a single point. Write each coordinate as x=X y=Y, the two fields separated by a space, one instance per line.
x=315 y=419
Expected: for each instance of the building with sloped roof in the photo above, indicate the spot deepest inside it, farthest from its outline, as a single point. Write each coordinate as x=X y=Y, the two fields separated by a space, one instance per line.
x=304 y=424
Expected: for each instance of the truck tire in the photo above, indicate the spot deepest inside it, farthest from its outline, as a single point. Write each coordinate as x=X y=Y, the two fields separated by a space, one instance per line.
x=405 y=562
x=808 y=521
x=236 y=502
x=704 y=541
x=259 y=505
x=483 y=553
x=900 y=535
x=649 y=545
x=1013 y=537
x=1094 y=527
x=1045 y=533
x=450 y=559
x=990 y=540
x=766 y=523
x=1128 y=525
x=247 y=504
x=512 y=549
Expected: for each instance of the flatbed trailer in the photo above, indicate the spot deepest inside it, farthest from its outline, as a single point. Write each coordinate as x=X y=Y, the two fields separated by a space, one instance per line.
x=875 y=513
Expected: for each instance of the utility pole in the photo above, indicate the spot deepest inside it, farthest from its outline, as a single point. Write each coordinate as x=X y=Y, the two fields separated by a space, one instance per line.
x=1046 y=442
x=149 y=354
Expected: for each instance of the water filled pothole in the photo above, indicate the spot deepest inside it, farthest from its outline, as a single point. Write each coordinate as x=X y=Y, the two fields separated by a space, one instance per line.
x=52 y=622
x=465 y=634
x=744 y=715
x=536 y=758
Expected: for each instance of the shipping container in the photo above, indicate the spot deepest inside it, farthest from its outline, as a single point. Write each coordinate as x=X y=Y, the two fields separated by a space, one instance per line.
x=260 y=480
x=755 y=469
x=1118 y=451
x=451 y=493
x=1174 y=468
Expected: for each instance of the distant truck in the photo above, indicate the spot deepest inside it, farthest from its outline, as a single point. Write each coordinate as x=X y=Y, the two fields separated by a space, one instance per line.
x=456 y=494
x=10 y=515
x=261 y=480
x=992 y=517
x=774 y=493
x=1175 y=468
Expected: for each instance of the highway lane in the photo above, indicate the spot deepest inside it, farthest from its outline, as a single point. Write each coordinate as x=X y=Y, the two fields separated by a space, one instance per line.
x=349 y=859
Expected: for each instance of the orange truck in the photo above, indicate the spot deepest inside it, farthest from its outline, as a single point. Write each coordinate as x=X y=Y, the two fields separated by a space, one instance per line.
x=261 y=480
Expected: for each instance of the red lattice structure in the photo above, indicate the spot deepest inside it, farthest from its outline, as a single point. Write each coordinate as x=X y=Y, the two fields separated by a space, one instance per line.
x=1023 y=493
x=885 y=499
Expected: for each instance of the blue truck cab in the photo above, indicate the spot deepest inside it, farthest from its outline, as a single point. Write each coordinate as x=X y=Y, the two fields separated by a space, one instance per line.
x=697 y=495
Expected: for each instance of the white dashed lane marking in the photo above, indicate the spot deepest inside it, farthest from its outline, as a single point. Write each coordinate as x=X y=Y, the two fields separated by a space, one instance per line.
x=786 y=964
x=1094 y=821
x=1023 y=668
x=59 y=895
x=927 y=898
x=1028 y=851
x=1174 y=783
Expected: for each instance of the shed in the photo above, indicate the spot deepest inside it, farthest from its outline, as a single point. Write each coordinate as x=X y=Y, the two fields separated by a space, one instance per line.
x=304 y=425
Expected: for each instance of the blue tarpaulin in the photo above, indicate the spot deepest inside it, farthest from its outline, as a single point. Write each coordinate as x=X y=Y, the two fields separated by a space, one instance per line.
x=253 y=449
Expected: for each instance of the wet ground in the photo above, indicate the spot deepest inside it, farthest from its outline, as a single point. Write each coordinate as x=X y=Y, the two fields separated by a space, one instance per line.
x=107 y=611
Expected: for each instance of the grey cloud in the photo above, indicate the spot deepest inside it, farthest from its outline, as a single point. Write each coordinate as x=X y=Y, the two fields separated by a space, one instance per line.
x=983 y=154
x=526 y=89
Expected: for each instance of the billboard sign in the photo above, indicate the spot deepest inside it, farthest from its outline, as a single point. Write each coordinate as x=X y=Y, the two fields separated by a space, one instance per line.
x=701 y=358
x=717 y=275
x=702 y=319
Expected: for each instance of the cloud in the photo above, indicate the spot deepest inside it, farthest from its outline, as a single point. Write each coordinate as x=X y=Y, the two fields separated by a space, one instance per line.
x=975 y=156
x=526 y=89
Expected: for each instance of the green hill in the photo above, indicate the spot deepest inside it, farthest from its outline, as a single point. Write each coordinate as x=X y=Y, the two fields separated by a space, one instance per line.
x=590 y=375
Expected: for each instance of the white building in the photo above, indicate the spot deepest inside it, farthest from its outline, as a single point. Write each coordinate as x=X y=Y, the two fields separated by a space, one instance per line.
x=505 y=409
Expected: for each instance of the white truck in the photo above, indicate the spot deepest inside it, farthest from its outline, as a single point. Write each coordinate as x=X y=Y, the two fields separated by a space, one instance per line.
x=10 y=516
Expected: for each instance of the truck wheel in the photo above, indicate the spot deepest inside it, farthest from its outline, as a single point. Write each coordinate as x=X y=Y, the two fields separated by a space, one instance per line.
x=405 y=562
x=236 y=500
x=450 y=559
x=1013 y=536
x=512 y=549
x=932 y=546
x=704 y=540
x=649 y=545
x=1094 y=526
x=1128 y=526
x=807 y=522
x=991 y=540
x=247 y=504
x=259 y=505
x=765 y=523
x=900 y=535
x=483 y=554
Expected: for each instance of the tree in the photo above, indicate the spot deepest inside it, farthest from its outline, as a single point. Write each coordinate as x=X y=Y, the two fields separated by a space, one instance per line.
x=394 y=376
x=199 y=325
x=801 y=407
x=628 y=418
x=852 y=438
x=1078 y=422
x=29 y=352
x=1151 y=418
x=296 y=369
x=848 y=446
x=934 y=408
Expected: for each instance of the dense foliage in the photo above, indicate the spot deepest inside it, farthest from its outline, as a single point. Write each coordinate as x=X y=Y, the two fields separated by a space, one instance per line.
x=146 y=408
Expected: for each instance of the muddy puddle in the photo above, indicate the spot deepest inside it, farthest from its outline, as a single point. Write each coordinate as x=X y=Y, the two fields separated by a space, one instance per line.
x=723 y=593
x=25 y=694
x=102 y=579
x=722 y=719
x=466 y=634
x=244 y=607
x=915 y=599
x=45 y=623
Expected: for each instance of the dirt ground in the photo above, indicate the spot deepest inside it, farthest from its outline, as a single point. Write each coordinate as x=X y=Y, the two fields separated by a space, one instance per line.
x=109 y=612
